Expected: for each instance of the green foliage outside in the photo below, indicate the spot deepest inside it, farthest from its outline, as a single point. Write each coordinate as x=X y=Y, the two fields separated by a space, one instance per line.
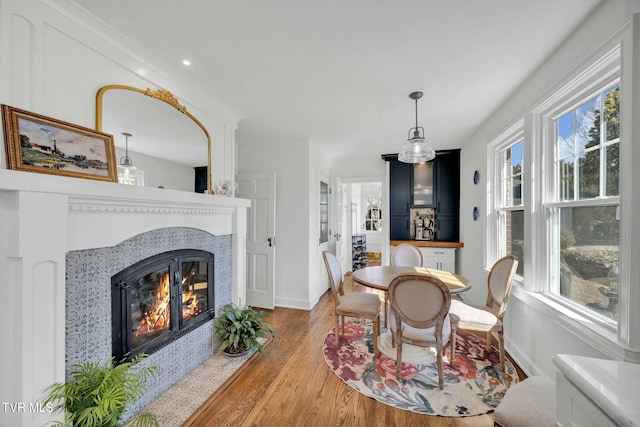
x=99 y=393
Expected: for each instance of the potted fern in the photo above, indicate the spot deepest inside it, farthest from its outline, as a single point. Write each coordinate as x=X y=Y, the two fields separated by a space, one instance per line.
x=99 y=393
x=240 y=328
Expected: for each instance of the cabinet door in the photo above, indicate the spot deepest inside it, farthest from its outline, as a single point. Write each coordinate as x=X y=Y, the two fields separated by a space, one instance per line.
x=400 y=183
x=399 y=227
x=440 y=258
x=448 y=196
x=400 y=199
x=422 y=185
x=574 y=408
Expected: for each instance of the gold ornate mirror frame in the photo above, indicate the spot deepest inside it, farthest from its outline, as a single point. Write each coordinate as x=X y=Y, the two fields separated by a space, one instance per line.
x=166 y=97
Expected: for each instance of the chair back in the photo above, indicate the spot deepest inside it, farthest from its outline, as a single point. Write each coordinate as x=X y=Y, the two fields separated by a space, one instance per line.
x=406 y=255
x=500 y=281
x=420 y=301
x=335 y=274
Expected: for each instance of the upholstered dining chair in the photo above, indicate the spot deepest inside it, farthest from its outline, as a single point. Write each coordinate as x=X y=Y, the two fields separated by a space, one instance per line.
x=361 y=305
x=406 y=255
x=419 y=315
x=403 y=255
x=487 y=319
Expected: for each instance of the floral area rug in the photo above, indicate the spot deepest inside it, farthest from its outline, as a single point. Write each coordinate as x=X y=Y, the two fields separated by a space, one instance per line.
x=474 y=386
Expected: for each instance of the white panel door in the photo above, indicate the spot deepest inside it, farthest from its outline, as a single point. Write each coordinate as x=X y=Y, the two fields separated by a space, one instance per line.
x=261 y=232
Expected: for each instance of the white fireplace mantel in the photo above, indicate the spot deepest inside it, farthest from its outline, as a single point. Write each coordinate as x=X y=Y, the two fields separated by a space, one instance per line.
x=42 y=217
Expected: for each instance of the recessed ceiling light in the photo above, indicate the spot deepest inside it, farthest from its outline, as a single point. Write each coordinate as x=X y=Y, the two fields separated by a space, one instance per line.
x=186 y=62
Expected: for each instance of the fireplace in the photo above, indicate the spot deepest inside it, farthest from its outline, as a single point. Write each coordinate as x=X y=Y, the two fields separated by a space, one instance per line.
x=159 y=299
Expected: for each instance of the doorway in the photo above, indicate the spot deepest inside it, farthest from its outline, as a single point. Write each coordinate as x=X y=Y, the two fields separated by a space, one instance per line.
x=364 y=206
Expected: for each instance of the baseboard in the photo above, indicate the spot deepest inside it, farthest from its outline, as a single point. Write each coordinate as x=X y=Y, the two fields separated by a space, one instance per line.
x=522 y=360
x=297 y=304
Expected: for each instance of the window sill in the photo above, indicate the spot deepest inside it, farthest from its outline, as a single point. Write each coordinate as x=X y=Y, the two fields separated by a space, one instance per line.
x=597 y=333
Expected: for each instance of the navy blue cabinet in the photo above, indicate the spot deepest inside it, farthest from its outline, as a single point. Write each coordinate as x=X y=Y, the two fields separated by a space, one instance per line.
x=446 y=195
x=399 y=200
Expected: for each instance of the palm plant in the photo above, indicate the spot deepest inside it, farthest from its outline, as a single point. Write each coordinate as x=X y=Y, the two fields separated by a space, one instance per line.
x=99 y=393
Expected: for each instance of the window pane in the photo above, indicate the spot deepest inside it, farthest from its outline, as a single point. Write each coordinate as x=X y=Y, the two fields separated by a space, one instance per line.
x=324 y=212
x=588 y=124
x=566 y=135
x=612 y=114
x=589 y=246
x=515 y=237
x=589 y=169
x=612 y=162
x=565 y=176
x=512 y=159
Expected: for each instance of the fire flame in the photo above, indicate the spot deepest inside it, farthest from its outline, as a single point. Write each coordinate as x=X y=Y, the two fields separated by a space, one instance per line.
x=159 y=316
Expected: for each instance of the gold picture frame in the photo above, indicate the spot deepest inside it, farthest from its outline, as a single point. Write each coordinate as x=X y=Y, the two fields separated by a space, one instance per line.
x=36 y=143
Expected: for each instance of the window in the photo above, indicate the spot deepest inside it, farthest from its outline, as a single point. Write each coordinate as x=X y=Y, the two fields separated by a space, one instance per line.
x=506 y=224
x=584 y=222
x=512 y=209
x=370 y=196
x=373 y=214
x=324 y=212
x=578 y=201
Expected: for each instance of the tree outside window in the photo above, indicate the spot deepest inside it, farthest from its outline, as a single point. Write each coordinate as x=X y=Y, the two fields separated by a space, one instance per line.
x=585 y=218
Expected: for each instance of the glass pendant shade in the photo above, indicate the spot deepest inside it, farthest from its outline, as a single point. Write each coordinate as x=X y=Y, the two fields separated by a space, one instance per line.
x=415 y=148
x=127 y=173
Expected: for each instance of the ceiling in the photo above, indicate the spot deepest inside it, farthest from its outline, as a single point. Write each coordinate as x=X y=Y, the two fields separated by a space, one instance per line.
x=340 y=71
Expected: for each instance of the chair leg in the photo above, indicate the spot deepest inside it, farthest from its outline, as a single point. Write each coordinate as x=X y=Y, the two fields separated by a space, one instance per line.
x=501 y=345
x=488 y=341
x=386 y=304
x=399 y=358
x=337 y=328
x=440 y=375
x=376 y=334
x=452 y=341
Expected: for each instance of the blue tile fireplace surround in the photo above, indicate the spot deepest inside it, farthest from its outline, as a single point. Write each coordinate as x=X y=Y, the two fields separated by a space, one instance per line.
x=88 y=303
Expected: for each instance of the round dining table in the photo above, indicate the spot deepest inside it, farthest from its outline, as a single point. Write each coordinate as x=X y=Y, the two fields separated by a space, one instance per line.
x=380 y=277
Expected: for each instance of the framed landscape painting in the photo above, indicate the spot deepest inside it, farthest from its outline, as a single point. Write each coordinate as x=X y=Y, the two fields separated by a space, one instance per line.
x=36 y=143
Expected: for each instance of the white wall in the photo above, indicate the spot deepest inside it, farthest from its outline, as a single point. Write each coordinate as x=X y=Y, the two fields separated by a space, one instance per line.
x=360 y=166
x=532 y=335
x=55 y=57
x=289 y=160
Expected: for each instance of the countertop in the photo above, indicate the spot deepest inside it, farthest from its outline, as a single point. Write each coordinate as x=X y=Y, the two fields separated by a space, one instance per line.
x=429 y=243
x=612 y=385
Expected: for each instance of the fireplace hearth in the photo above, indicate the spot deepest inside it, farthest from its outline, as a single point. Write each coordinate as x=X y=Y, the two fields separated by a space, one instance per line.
x=159 y=299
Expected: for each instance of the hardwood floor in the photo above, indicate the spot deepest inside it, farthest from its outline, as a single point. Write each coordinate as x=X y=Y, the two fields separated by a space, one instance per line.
x=292 y=386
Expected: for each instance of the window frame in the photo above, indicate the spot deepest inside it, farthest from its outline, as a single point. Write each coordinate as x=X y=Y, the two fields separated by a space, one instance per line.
x=604 y=68
x=495 y=196
x=621 y=341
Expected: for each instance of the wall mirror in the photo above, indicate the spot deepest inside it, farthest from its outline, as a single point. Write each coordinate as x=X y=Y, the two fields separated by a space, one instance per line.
x=164 y=135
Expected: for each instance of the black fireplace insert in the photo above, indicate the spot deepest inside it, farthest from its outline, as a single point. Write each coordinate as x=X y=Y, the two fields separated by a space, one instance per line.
x=159 y=299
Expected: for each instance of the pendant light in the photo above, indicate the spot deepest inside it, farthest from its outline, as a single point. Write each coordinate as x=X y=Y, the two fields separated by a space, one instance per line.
x=127 y=173
x=415 y=148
